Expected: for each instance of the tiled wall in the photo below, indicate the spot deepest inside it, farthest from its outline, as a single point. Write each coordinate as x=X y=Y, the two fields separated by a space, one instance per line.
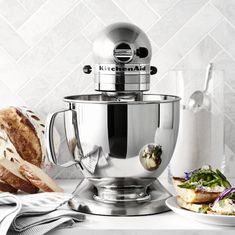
x=45 y=43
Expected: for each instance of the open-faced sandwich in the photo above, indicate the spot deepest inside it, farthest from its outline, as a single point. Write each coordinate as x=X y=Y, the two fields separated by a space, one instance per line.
x=224 y=204
x=200 y=188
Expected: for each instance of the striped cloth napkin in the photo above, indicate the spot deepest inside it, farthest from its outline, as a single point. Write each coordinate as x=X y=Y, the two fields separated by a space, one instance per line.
x=36 y=214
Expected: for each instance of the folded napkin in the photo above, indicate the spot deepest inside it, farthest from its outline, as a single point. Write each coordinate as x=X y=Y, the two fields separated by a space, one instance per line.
x=35 y=214
x=93 y=156
x=90 y=157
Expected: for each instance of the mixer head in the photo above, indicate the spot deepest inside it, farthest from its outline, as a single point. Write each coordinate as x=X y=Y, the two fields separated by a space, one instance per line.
x=122 y=54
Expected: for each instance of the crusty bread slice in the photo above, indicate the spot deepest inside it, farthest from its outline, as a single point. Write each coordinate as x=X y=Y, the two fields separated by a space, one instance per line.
x=190 y=206
x=5 y=187
x=9 y=173
x=38 y=177
x=192 y=195
x=22 y=134
x=197 y=207
x=219 y=213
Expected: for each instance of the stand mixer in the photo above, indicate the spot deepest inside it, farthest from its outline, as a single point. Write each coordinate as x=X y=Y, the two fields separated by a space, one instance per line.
x=121 y=139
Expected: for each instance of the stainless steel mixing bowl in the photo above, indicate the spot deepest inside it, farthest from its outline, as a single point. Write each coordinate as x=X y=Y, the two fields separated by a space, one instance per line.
x=108 y=136
x=122 y=139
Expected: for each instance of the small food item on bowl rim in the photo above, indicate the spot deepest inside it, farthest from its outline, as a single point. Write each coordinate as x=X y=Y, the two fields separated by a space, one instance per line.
x=150 y=157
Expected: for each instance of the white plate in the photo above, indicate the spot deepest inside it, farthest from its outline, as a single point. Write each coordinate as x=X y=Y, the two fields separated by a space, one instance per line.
x=227 y=220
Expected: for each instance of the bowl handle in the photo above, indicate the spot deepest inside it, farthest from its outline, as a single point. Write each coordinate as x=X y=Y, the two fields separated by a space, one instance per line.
x=50 y=140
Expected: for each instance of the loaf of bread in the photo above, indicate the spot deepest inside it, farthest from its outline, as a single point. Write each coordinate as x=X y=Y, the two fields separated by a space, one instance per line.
x=22 y=135
x=9 y=173
x=38 y=177
x=22 y=152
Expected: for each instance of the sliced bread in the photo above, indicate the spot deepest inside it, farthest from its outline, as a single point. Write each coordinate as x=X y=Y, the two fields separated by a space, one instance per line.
x=197 y=207
x=9 y=173
x=193 y=195
x=38 y=177
x=22 y=134
x=219 y=213
x=5 y=187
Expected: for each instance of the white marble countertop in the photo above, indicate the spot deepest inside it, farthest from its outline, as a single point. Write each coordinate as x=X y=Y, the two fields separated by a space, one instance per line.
x=160 y=224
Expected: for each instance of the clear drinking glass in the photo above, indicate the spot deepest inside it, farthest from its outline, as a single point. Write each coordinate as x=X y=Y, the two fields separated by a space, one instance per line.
x=201 y=134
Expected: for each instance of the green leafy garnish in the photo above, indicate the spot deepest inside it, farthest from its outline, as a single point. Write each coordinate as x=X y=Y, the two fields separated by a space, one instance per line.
x=204 y=209
x=222 y=203
x=187 y=185
x=205 y=177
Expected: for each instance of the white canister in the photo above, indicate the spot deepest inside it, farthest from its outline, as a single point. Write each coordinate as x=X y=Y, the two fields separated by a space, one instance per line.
x=201 y=134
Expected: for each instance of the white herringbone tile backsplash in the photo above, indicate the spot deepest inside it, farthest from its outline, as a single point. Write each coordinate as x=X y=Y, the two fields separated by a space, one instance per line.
x=45 y=43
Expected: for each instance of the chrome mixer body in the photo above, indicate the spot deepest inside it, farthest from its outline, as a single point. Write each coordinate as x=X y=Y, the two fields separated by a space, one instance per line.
x=122 y=139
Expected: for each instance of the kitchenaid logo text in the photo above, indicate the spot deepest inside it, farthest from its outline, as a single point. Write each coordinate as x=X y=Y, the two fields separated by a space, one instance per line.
x=122 y=69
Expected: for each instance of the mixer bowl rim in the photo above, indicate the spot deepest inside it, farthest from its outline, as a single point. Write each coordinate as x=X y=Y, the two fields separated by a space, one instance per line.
x=163 y=99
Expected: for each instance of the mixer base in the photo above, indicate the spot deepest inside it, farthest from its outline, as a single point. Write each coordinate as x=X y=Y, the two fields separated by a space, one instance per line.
x=85 y=202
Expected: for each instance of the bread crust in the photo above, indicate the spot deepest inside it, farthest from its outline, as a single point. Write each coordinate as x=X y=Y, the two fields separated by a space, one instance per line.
x=32 y=174
x=219 y=213
x=197 y=206
x=4 y=187
x=14 y=180
x=22 y=134
x=192 y=195
x=190 y=206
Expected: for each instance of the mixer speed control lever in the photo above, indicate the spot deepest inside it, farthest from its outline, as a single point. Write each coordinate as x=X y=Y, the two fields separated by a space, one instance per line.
x=153 y=70
x=87 y=69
